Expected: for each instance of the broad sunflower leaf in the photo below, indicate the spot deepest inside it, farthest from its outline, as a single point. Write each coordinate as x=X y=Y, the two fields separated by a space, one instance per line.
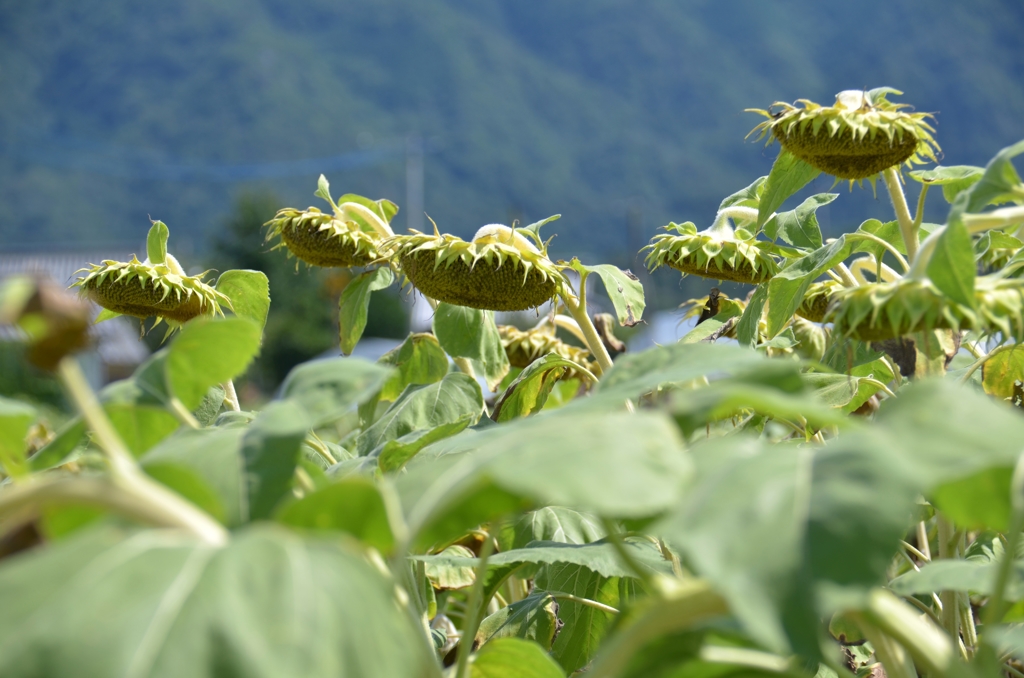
x=1002 y=371
x=533 y=618
x=208 y=352
x=623 y=288
x=327 y=389
x=952 y=266
x=471 y=333
x=249 y=292
x=15 y=419
x=788 y=175
x=419 y=360
x=352 y=505
x=157 y=603
x=513 y=658
x=425 y=406
x=1000 y=182
x=953 y=179
x=529 y=391
x=355 y=303
x=799 y=227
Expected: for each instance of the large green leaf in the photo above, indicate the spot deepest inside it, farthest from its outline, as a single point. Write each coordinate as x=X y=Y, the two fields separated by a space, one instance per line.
x=450 y=400
x=533 y=618
x=843 y=391
x=745 y=197
x=1002 y=371
x=471 y=333
x=207 y=352
x=601 y=557
x=529 y=391
x=623 y=288
x=394 y=454
x=953 y=179
x=556 y=524
x=584 y=626
x=634 y=374
x=999 y=183
x=799 y=227
x=419 y=360
x=249 y=292
x=56 y=451
x=513 y=658
x=141 y=426
x=749 y=323
x=270 y=452
x=969 y=576
x=157 y=604
x=952 y=266
x=355 y=303
x=15 y=419
x=215 y=456
x=788 y=175
x=786 y=290
x=774 y=527
x=327 y=389
x=616 y=464
x=352 y=505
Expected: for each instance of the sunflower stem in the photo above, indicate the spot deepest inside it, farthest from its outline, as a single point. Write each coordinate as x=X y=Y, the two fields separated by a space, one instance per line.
x=919 y=215
x=578 y=310
x=151 y=501
x=899 y=202
x=230 y=395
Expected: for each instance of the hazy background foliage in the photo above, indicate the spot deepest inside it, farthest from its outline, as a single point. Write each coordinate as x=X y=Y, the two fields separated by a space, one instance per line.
x=113 y=110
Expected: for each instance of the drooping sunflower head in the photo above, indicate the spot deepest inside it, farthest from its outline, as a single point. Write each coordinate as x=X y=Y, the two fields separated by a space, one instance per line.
x=859 y=136
x=718 y=253
x=887 y=310
x=347 y=236
x=816 y=300
x=525 y=346
x=157 y=286
x=500 y=269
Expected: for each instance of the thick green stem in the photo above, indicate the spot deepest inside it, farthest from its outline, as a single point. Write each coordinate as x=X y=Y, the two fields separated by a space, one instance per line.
x=558 y=595
x=996 y=606
x=152 y=502
x=899 y=203
x=931 y=649
x=950 y=604
x=231 y=396
x=919 y=215
x=893 y=656
x=577 y=307
x=473 y=611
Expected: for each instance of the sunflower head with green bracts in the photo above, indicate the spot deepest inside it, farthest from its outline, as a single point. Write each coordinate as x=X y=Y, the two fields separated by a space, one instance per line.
x=500 y=269
x=859 y=136
x=347 y=236
x=719 y=253
x=881 y=311
x=157 y=286
x=525 y=346
x=816 y=300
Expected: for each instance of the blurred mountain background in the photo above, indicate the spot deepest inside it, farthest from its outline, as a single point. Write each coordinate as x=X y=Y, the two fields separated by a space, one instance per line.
x=622 y=115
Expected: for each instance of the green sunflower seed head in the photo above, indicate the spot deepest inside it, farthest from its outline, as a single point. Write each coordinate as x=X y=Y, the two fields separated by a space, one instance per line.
x=142 y=289
x=881 y=311
x=718 y=253
x=525 y=346
x=346 y=237
x=816 y=300
x=499 y=270
x=857 y=137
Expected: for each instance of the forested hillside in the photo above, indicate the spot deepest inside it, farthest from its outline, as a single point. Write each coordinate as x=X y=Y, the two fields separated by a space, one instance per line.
x=611 y=112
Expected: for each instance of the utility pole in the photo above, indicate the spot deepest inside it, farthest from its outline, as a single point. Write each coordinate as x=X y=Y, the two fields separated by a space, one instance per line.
x=414 y=182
